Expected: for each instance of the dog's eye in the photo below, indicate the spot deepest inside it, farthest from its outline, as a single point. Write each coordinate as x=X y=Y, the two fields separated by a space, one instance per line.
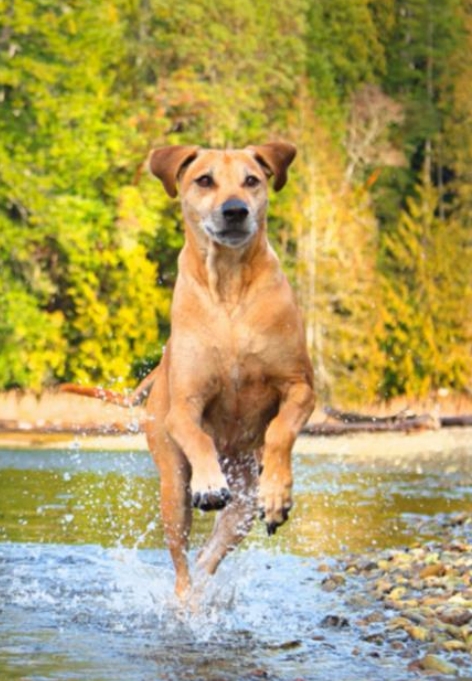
x=252 y=181
x=205 y=181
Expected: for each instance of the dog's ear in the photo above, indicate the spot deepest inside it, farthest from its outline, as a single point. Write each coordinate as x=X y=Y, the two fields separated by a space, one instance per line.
x=275 y=158
x=167 y=163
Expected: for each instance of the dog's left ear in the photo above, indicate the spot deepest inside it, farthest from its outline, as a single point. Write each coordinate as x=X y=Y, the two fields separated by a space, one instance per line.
x=167 y=163
x=275 y=158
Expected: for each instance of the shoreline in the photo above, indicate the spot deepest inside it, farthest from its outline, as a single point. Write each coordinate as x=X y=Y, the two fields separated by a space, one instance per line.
x=383 y=446
x=79 y=422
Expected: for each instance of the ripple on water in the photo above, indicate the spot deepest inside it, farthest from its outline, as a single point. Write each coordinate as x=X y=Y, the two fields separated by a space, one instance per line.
x=71 y=609
x=83 y=612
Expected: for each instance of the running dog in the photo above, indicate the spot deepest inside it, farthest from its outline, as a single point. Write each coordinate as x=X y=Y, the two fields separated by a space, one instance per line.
x=235 y=384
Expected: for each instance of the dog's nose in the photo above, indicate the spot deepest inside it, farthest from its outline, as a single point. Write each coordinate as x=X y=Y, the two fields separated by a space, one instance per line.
x=234 y=210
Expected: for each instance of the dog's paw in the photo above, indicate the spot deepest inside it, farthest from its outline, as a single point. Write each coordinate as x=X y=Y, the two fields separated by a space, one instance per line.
x=210 y=490
x=275 y=502
x=212 y=500
x=273 y=525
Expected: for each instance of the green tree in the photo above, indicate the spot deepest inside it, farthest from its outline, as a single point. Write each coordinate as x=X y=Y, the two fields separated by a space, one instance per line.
x=329 y=247
x=428 y=300
x=220 y=73
x=344 y=50
x=377 y=96
x=65 y=263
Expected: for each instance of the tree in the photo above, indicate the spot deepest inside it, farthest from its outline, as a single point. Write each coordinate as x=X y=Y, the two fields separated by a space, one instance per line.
x=221 y=73
x=344 y=50
x=427 y=293
x=64 y=264
x=330 y=249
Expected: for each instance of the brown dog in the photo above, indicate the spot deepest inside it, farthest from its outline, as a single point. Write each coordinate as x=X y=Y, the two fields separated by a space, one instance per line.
x=235 y=384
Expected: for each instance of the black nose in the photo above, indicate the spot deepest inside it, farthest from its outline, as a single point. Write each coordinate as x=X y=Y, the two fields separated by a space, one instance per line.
x=234 y=210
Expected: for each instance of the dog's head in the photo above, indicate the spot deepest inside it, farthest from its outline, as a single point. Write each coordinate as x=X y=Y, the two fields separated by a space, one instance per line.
x=224 y=192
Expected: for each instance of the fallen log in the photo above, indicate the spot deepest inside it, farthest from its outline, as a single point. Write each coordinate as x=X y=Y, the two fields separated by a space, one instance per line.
x=355 y=417
x=456 y=421
x=46 y=428
x=404 y=421
x=407 y=425
x=360 y=424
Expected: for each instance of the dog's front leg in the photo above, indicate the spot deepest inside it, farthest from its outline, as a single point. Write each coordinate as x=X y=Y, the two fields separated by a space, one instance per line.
x=235 y=521
x=275 y=486
x=209 y=486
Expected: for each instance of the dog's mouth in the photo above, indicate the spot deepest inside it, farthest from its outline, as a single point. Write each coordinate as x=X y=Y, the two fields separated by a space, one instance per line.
x=229 y=236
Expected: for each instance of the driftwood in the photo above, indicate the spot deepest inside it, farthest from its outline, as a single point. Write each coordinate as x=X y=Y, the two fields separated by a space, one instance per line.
x=456 y=421
x=337 y=423
x=46 y=428
x=355 y=417
x=409 y=425
x=353 y=422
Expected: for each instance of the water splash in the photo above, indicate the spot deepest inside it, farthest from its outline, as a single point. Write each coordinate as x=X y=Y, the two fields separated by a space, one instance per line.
x=75 y=609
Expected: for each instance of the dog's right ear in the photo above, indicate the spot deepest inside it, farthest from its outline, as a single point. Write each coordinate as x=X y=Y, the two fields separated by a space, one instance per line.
x=275 y=158
x=167 y=163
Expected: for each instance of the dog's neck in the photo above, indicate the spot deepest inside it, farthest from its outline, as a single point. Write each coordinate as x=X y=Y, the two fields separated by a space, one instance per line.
x=226 y=272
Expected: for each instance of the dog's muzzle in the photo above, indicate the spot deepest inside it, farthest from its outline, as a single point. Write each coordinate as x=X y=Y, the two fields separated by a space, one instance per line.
x=232 y=225
x=234 y=211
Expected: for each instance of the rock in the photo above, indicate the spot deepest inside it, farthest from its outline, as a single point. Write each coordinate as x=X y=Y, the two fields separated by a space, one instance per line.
x=334 y=621
x=455 y=615
x=374 y=617
x=434 y=570
x=397 y=645
x=424 y=597
x=323 y=567
x=433 y=600
x=435 y=663
x=384 y=564
x=453 y=631
x=289 y=645
x=368 y=566
x=409 y=603
x=383 y=586
x=414 y=615
x=398 y=623
x=398 y=593
x=332 y=582
x=418 y=633
x=454 y=645
x=376 y=638
x=359 y=601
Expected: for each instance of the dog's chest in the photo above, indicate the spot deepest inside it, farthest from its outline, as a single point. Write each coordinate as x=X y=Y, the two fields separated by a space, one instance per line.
x=238 y=415
x=246 y=399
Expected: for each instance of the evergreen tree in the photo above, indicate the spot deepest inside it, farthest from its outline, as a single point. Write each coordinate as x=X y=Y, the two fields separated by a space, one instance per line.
x=427 y=301
x=332 y=257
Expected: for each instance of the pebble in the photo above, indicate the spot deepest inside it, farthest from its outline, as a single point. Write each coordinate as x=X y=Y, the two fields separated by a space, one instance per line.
x=333 y=582
x=334 y=621
x=456 y=616
x=438 y=664
x=418 y=633
x=421 y=597
x=433 y=570
x=454 y=645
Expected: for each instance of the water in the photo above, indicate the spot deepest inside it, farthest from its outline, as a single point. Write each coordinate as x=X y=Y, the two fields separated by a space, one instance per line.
x=86 y=585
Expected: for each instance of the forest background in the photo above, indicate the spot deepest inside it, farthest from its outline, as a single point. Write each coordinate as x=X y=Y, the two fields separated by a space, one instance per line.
x=373 y=228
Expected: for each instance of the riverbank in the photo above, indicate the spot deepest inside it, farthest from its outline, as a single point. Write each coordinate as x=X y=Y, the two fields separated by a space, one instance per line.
x=66 y=421
x=415 y=602
x=377 y=553
x=397 y=449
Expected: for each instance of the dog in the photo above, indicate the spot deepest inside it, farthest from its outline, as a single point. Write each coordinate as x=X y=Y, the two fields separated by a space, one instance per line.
x=235 y=383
